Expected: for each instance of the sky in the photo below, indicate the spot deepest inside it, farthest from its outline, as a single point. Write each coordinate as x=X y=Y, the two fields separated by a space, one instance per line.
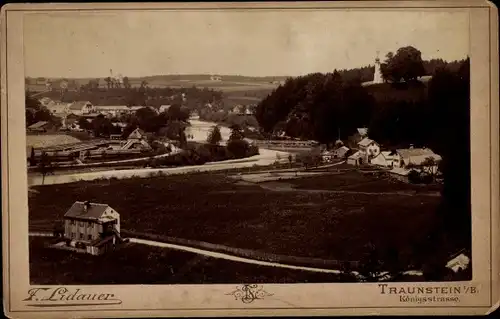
x=258 y=43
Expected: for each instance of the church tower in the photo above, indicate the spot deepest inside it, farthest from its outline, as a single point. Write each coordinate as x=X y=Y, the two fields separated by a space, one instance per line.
x=377 y=76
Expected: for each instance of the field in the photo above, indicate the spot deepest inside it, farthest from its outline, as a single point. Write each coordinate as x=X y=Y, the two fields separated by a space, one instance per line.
x=46 y=140
x=296 y=220
x=138 y=264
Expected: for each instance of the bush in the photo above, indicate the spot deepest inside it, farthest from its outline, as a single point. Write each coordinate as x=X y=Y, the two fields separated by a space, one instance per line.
x=238 y=148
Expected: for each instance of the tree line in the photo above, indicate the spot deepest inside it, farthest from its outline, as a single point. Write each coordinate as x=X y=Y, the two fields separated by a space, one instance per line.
x=143 y=95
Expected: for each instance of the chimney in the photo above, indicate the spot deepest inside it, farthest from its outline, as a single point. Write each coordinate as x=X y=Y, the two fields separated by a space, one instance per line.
x=86 y=206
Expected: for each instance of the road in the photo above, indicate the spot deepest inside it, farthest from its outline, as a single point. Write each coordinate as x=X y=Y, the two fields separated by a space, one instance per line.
x=199 y=130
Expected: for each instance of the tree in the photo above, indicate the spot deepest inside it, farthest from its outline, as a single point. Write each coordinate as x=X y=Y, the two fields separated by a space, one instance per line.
x=126 y=82
x=371 y=265
x=147 y=119
x=108 y=82
x=406 y=64
x=32 y=157
x=429 y=166
x=84 y=124
x=236 y=133
x=102 y=126
x=32 y=103
x=182 y=137
x=290 y=159
x=214 y=137
x=45 y=166
x=30 y=117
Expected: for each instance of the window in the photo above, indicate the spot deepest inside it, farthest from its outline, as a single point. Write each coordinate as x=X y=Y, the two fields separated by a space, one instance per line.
x=81 y=235
x=89 y=224
x=89 y=237
x=72 y=235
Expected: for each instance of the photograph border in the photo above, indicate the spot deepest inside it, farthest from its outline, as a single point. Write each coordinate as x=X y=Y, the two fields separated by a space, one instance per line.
x=6 y=196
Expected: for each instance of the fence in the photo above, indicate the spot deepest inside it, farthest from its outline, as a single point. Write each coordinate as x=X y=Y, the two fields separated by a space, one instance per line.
x=245 y=253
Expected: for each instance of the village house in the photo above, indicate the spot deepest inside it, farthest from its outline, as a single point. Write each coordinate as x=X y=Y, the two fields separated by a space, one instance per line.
x=327 y=156
x=57 y=107
x=356 y=159
x=93 y=227
x=384 y=159
x=136 y=140
x=135 y=108
x=112 y=110
x=408 y=157
x=44 y=101
x=81 y=108
x=369 y=147
x=40 y=127
x=367 y=150
x=338 y=153
x=239 y=110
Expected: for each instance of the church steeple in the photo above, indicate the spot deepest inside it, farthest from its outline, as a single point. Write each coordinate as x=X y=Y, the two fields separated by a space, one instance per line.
x=377 y=76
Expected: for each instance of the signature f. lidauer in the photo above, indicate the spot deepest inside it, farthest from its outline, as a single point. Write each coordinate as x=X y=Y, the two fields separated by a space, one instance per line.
x=62 y=296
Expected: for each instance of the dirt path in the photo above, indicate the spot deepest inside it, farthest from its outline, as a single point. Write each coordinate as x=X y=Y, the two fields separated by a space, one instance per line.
x=287 y=187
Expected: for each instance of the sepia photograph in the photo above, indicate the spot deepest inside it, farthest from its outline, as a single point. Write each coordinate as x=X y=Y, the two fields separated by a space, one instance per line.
x=250 y=147
x=292 y=162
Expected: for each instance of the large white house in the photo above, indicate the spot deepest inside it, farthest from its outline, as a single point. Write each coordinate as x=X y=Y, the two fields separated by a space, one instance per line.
x=414 y=156
x=384 y=159
x=369 y=147
x=113 y=110
x=81 y=107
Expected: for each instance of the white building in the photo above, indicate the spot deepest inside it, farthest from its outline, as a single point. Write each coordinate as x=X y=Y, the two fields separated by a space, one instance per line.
x=384 y=159
x=414 y=156
x=369 y=147
x=113 y=110
x=81 y=107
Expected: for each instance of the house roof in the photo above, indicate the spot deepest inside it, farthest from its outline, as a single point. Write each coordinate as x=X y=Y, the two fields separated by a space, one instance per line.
x=343 y=148
x=95 y=210
x=136 y=132
x=78 y=105
x=59 y=114
x=45 y=100
x=356 y=155
x=39 y=124
x=386 y=154
x=366 y=141
x=57 y=107
x=112 y=107
x=417 y=155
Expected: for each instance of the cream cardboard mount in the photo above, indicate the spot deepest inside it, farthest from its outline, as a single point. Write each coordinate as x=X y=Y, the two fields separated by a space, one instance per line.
x=239 y=159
